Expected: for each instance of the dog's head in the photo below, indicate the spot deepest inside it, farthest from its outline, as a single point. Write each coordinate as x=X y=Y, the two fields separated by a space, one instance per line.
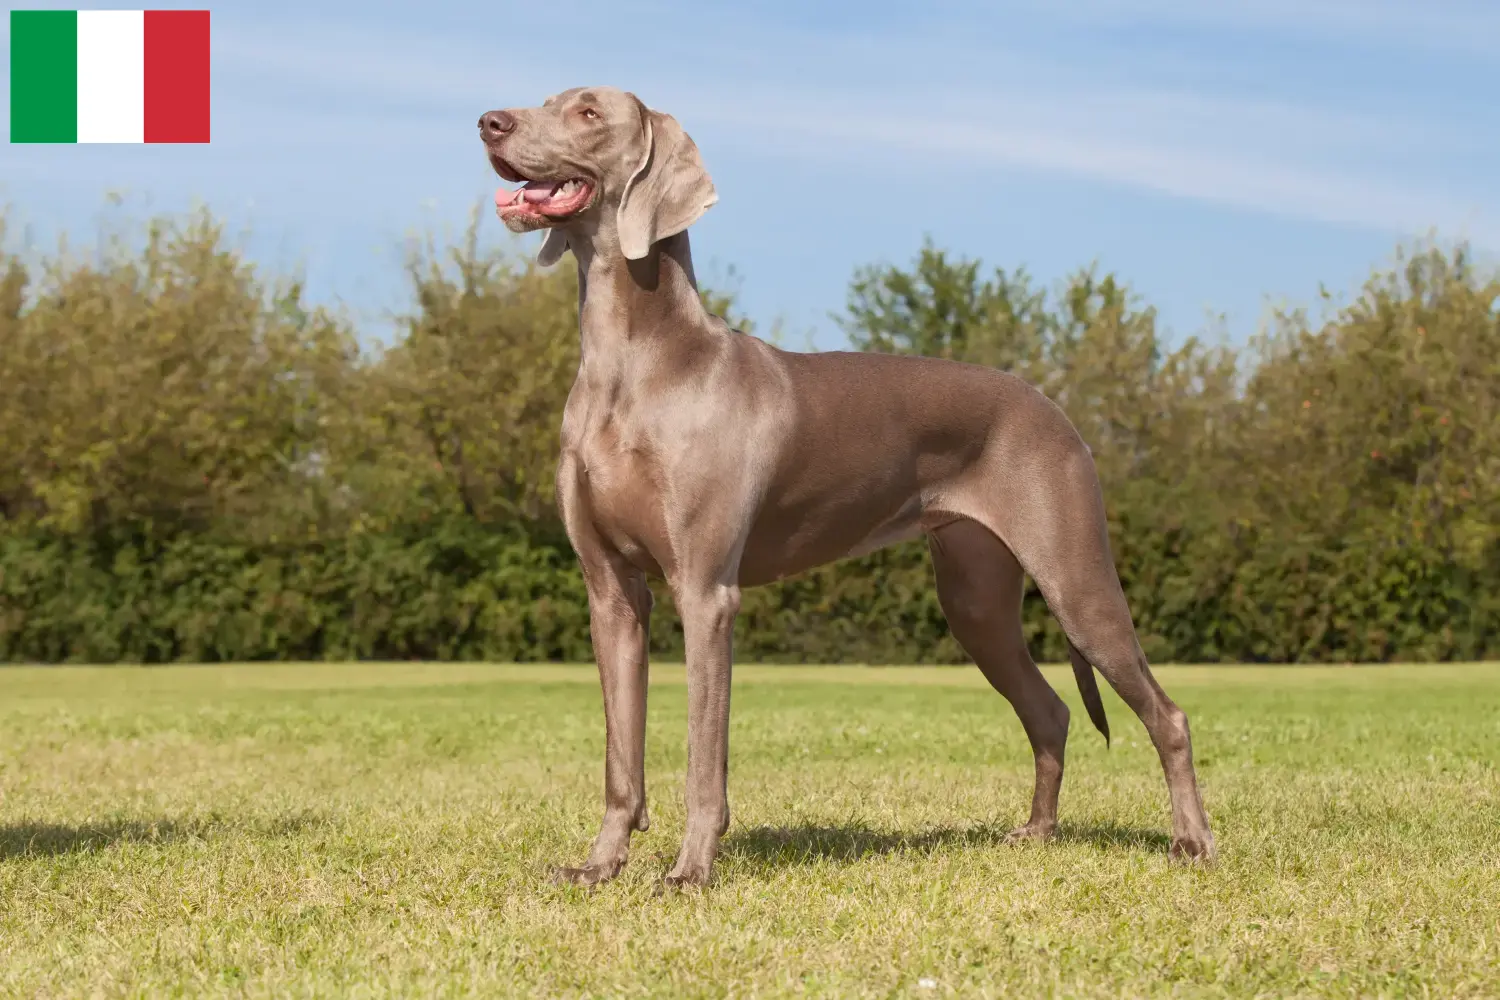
x=596 y=157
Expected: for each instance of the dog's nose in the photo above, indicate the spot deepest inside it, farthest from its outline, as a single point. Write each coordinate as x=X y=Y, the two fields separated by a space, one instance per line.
x=494 y=124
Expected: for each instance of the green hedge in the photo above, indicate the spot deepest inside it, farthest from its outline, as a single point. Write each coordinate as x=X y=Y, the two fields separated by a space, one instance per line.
x=197 y=466
x=459 y=591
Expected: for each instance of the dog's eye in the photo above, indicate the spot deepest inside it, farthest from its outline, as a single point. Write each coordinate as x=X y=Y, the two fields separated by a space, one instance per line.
x=590 y=114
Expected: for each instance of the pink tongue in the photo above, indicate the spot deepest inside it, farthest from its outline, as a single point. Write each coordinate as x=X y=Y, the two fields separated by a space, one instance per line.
x=538 y=191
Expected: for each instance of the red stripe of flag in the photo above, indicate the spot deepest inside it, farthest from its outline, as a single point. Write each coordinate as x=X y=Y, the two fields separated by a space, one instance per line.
x=177 y=76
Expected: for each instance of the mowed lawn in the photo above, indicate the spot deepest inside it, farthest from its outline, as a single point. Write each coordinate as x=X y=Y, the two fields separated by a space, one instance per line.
x=364 y=830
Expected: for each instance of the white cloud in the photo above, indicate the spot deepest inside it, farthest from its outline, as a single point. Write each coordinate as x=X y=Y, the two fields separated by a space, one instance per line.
x=953 y=146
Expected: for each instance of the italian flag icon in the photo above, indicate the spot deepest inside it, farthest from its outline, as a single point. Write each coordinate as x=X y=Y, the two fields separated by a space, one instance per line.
x=109 y=75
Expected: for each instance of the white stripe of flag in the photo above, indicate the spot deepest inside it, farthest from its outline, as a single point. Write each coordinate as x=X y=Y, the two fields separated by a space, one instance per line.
x=111 y=76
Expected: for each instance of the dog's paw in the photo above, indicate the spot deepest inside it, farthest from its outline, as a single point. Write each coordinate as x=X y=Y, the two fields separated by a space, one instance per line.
x=1193 y=848
x=683 y=877
x=1038 y=833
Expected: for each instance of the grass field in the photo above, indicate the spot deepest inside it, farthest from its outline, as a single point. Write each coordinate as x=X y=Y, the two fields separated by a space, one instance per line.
x=388 y=829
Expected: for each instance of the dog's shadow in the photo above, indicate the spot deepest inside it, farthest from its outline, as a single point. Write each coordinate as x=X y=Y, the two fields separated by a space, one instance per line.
x=813 y=843
x=39 y=839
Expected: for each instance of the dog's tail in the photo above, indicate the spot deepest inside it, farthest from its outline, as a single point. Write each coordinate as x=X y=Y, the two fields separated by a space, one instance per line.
x=1088 y=686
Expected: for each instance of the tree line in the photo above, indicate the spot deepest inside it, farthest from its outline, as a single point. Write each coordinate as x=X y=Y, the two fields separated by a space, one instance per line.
x=198 y=465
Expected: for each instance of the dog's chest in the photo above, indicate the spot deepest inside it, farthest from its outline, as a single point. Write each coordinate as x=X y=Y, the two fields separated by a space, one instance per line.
x=623 y=496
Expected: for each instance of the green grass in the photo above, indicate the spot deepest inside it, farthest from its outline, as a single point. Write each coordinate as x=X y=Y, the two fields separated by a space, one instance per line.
x=373 y=830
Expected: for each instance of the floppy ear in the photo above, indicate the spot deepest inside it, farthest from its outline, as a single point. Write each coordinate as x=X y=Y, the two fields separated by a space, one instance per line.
x=553 y=247
x=669 y=190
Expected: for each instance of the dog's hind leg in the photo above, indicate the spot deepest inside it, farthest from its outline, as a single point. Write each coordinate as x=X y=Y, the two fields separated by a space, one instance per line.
x=1057 y=529
x=980 y=585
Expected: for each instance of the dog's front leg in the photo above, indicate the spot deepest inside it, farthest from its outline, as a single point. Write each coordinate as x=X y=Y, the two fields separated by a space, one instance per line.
x=708 y=614
x=619 y=620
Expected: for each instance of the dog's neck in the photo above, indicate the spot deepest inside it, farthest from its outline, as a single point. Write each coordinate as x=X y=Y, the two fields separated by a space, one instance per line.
x=632 y=302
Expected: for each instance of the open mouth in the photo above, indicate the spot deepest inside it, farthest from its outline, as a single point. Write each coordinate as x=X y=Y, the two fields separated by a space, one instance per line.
x=538 y=201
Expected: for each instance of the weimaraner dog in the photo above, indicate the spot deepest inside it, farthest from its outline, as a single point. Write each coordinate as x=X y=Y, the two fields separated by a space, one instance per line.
x=708 y=458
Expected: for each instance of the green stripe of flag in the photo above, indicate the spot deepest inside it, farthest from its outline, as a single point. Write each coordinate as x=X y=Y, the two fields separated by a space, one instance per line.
x=43 y=76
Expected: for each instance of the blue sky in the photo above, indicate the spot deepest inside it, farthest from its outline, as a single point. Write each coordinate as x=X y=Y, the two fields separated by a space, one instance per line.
x=1220 y=156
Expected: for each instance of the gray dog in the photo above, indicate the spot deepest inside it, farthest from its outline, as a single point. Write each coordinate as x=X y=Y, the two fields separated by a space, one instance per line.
x=703 y=456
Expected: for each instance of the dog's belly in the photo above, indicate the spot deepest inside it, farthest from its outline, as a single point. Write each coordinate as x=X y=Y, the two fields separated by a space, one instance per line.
x=784 y=542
